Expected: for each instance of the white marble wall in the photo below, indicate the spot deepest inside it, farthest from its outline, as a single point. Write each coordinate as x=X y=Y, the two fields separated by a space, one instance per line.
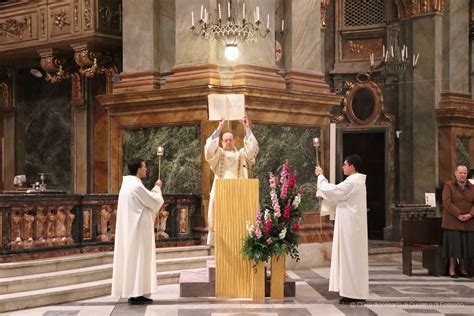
x=190 y=48
x=166 y=36
x=303 y=35
x=140 y=41
x=456 y=49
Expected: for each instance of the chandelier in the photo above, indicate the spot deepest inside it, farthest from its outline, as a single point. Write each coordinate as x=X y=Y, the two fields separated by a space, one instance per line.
x=231 y=25
x=395 y=59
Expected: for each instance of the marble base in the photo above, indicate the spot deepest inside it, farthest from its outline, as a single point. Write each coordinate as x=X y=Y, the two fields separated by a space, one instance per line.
x=311 y=256
x=308 y=81
x=137 y=81
x=193 y=75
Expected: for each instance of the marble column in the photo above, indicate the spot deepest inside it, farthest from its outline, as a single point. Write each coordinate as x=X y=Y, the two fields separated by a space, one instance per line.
x=456 y=47
x=256 y=65
x=195 y=58
x=456 y=94
x=141 y=43
x=303 y=46
x=423 y=93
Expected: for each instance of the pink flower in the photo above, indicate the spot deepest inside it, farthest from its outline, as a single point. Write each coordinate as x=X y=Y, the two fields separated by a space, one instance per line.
x=285 y=173
x=296 y=227
x=284 y=190
x=287 y=212
x=269 y=241
x=258 y=233
x=268 y=226
x=276 y=204
x=272 y=181
x=292 y=182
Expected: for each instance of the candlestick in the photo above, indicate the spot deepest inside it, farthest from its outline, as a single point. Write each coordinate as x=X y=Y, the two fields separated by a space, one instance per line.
x=159 y=152
x=316 y=146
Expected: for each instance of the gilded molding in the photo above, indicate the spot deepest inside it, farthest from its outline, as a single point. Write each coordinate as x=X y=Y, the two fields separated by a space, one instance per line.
x=77 y=93
x=43 y=24
x=95 y=62
x=87 y=13
x=4 y=96
x=324 y=9
x=409 y=8
x=53 y=64
x=14 y=28
x=60 y=19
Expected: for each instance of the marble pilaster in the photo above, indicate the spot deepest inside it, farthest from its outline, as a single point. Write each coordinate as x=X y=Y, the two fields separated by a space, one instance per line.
x=79 y=136
x=9 y=148
x=141 y=43
x=456 y=47
x=426 y=89
x=303 y=46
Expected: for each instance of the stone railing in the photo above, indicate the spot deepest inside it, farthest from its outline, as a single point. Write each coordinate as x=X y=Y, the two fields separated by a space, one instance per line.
x=71 y=223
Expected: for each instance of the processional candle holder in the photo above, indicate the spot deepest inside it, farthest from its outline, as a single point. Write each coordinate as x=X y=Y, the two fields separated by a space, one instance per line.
x=316 y=145
x=160 y=151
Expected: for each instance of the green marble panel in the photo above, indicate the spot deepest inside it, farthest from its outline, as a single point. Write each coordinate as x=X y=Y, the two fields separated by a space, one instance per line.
x=181 y=163
x=462 y=151
x=280 y=143
x=43 y=120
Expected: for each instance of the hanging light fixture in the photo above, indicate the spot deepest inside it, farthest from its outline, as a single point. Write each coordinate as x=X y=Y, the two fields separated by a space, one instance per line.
x=232 y=28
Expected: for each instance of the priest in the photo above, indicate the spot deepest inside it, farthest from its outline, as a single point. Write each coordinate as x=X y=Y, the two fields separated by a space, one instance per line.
x=227 y=162
x=134 y=268
x=349 y=273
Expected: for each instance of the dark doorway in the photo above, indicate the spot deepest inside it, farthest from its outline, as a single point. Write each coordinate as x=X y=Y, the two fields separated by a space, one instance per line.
x=371 y=148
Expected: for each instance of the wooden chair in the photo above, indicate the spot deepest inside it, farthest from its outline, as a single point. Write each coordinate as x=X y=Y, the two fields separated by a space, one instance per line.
x=423 y=235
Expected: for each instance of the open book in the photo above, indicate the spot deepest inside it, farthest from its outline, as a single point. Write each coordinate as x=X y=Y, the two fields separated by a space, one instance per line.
x=230 y=107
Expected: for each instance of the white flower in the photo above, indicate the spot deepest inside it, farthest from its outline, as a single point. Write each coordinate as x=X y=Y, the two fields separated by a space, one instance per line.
x=267 y=215
x=282 y=234
x=296 y=201
x=250 y=228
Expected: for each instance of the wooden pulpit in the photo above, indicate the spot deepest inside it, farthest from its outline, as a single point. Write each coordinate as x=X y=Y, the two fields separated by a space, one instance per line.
x=236 y=202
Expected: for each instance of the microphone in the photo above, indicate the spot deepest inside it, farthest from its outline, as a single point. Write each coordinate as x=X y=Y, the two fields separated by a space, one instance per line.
x=245 y=166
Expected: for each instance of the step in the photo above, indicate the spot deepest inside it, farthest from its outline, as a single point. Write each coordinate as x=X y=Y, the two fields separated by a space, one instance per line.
x=12 y=269
x=54 y=279
x=182 y=263
x=182 y=252
x=55 y=295
x=166 y=275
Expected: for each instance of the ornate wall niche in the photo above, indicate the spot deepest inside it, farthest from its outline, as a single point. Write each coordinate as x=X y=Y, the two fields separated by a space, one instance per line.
x=363 y=102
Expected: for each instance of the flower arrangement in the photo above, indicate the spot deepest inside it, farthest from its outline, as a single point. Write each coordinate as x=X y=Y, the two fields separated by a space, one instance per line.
x=276 y=230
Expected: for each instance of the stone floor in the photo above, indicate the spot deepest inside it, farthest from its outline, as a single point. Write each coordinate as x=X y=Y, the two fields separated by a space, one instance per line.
x=391 y=293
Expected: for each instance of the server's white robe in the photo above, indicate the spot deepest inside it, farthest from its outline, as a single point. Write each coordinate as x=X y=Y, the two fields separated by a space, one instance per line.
x=349 y=274
x=227 y=164
x=134 y=268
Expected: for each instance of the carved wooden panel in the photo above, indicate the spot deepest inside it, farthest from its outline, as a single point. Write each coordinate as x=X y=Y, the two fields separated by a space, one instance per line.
x=20 y=28
x=362 y=48
x=61 y=18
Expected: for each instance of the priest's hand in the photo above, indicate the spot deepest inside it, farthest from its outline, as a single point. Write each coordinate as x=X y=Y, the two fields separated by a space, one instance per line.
x=159 y=183
x=221 y=124
x=318 y=170
x=246 y=123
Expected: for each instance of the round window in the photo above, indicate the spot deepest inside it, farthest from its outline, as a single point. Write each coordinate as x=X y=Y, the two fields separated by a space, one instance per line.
x=363 y=104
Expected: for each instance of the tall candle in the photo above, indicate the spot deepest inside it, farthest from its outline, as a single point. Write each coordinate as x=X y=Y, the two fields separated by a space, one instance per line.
x=228 y=9
x=268 y=21
x=219 y=8
x=202 y=8
x=192 y=18
x=282 y=25
x=243 y=11
x=258 y=14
